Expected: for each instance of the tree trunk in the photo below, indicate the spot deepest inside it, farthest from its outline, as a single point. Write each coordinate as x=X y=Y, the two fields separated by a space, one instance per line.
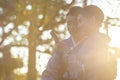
x=32 y=52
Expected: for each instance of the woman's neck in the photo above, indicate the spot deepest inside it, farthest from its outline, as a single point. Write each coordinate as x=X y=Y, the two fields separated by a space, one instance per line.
x=78 y=38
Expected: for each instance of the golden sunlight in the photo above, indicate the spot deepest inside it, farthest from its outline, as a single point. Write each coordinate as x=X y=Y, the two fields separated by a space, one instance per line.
x=114 y=33
x=42 y=59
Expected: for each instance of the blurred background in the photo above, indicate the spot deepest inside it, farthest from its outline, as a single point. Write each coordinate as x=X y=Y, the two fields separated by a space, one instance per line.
x=25 y=41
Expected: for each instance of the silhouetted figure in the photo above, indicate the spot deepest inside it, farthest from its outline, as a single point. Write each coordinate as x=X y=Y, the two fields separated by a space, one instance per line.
x=84 y=55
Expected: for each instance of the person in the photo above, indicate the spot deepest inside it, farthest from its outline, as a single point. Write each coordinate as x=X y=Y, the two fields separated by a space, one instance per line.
x=84 y=55
x=102 y=66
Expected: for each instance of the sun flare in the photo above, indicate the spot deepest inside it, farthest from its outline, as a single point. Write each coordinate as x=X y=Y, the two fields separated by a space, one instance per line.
x=114 y=33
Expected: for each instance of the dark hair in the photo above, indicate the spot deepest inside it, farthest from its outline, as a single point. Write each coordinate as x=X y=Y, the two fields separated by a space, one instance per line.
x=93 y=10
x=88 y=11
x=75 y=11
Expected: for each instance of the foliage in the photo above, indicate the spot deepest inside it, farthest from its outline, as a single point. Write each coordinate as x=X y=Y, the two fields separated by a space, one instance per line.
x=23 y=23
x=41 y=15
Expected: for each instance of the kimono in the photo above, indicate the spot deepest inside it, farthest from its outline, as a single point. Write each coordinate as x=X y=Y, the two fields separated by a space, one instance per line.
x=86 y=61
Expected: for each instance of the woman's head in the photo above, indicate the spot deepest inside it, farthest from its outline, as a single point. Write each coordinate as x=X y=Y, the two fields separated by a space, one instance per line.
x=94 y=11
x=75 y=20
x=79 y=18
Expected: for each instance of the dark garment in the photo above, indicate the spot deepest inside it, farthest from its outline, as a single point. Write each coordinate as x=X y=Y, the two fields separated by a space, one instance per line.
x=87 y=61
x=55 y=67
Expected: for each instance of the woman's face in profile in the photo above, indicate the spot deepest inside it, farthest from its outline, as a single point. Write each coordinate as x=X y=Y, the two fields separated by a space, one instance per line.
x=83 y=22
x=76 y=24
x=71 y=23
